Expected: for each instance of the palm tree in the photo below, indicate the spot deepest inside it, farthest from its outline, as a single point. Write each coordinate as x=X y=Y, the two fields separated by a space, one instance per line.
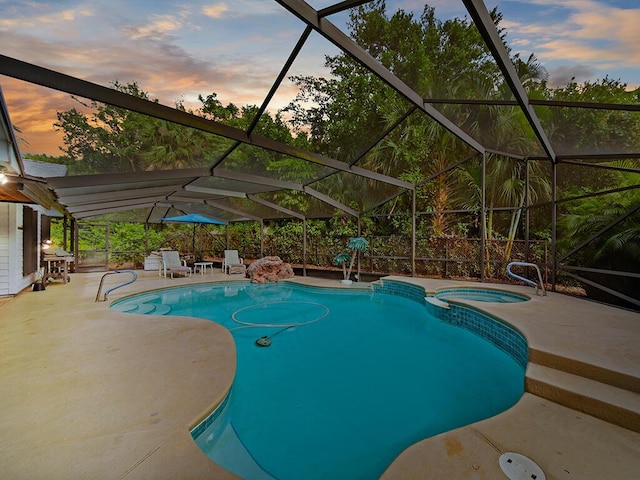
x=356 y=245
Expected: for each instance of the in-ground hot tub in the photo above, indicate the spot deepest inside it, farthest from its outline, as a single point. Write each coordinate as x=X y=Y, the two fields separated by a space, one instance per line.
x=479 y=294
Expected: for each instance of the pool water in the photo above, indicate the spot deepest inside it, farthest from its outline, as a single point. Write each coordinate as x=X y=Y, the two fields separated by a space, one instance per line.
x=364 y=377
x=480 y=295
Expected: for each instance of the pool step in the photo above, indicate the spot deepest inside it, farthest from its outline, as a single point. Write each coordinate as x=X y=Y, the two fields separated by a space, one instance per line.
x=614 y=377
x=607 y=402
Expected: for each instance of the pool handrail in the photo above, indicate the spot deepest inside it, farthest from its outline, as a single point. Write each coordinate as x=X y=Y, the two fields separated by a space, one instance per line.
x=526 y=280
x=134 y=277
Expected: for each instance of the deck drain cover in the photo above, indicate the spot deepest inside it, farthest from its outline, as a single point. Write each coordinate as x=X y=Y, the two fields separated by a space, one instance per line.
x=519 y=467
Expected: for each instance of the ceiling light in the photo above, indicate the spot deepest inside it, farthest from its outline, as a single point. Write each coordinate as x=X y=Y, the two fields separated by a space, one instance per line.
x=3 y=178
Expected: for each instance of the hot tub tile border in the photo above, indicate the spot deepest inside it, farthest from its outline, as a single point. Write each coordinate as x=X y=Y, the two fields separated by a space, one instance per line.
x=504 y=336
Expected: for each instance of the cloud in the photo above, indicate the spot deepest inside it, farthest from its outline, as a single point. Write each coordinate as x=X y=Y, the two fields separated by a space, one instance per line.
x=590 y=34
x=35 y=119
x=50 y=18
x=161 y=25
x=241 y=8
x=215 y=11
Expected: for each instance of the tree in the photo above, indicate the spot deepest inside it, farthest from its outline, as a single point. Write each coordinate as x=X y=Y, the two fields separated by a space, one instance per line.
x=616 y=248
x=356 y=245
x=105 y=140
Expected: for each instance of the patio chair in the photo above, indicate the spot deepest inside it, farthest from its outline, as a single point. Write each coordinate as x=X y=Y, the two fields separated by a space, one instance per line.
x=232 y=263
x=171 y=263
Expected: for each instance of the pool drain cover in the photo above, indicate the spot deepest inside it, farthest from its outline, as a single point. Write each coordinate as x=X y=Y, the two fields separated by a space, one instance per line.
x=263 y=341
x=519 y=467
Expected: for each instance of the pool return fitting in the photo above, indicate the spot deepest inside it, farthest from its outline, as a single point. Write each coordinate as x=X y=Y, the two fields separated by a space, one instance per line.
x=265 y=340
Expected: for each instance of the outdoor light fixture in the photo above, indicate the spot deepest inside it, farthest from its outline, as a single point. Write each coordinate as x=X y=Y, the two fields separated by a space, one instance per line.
x=46 y=244
x=4 y=170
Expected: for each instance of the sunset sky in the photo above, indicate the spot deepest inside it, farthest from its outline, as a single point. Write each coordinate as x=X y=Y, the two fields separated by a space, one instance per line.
x=176 y=50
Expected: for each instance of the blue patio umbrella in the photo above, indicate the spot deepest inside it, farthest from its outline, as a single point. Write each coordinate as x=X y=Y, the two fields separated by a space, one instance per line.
x=196 y=219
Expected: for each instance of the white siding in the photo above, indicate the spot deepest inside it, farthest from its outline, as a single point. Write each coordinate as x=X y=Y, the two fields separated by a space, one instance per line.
x=4 y=248
x=11 y=279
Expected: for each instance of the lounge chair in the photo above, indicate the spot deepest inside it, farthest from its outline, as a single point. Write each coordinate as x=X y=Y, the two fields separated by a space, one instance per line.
x=232 y=263
x=171 y=263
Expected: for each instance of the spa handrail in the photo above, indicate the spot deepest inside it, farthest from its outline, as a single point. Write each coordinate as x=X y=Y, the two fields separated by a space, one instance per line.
x=134 y=277
x=526 y=280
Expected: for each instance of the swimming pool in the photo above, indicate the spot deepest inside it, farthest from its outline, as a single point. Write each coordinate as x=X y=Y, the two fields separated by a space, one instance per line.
x=360 y=378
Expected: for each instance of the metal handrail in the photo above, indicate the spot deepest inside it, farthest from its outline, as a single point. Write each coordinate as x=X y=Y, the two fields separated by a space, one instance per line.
x=526 y=280
x=134 y=277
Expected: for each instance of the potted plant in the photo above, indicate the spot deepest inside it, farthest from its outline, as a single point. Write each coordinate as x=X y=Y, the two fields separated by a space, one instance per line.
x=355 y=244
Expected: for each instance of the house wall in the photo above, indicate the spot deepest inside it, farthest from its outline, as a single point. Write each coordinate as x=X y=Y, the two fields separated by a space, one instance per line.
x=11 y=279
x=4 y=248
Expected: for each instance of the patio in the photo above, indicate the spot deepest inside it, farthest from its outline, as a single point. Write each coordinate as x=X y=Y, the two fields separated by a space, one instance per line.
x=112 y=395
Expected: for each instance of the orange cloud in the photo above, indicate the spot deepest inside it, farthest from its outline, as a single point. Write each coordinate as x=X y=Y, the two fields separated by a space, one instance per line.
x=215 y=11
x=161 y=25
x=32 y=110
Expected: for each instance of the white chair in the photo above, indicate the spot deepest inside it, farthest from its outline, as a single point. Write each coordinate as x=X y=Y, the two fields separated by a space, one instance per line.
x=232 y=263
x=171 y=262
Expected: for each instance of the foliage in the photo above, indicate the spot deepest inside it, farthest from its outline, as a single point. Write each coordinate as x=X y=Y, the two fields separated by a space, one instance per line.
x=344 y=116
x=603 y=239
x=100 y=138
x=355 y=244
x=591 y=215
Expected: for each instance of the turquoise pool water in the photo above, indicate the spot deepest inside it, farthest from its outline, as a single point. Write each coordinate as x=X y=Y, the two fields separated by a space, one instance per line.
x=480 y=295
x=364 y=376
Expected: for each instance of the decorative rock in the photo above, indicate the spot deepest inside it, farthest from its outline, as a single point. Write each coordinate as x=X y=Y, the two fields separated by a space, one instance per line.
x=269 y=270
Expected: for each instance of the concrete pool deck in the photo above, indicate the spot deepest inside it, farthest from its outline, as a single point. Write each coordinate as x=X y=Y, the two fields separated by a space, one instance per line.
x=88 y=392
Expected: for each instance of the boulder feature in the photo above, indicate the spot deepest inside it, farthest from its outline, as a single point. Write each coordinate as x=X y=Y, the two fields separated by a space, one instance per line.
x=269 y=270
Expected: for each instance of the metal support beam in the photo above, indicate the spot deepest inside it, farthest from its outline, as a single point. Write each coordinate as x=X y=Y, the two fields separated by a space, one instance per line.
x=65 y=83
x=483 y=220
x=261 y=238
x=554 y=224
x=601 y=166
x=413 y=234
x=610 y=291
x=331 y=201
x=340 y=7
x=215 y=192
x=486 y=27
x=383 y=135
x=527 y=201
x=336 y=36
x=359 y=253
x=232 y=210
x=93 y=213
x=446 y=169
x=256 y=179
x=104 y=197
x=128 y=178
x=304 y=247
x=175 y=198
x=115 y=206
x=612 y=224
x=281 y=76
x=587 y=195
x=600 y=270
x=275 y=206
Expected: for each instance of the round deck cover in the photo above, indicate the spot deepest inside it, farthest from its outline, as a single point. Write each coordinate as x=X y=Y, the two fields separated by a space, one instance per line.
x=518 y=467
